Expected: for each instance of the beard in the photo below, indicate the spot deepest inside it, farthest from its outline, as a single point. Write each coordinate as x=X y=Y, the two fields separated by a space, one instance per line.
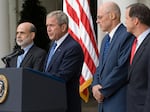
x=25 y=42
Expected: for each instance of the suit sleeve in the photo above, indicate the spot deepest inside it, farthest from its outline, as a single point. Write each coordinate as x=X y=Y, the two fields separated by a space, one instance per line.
x=147 y=102
x=96 y=76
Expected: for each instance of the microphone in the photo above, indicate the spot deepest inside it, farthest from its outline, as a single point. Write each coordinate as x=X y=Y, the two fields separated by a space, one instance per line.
x=15 y=53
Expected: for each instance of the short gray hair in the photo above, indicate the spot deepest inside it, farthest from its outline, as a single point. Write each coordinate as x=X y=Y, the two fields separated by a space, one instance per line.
x=61 y=17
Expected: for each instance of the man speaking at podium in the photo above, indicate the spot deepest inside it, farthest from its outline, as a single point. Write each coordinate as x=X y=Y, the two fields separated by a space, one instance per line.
x=65 y=58
x=30 y=56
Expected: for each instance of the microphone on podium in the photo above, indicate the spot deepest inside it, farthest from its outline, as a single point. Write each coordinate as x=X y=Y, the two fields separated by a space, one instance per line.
x=17 y=52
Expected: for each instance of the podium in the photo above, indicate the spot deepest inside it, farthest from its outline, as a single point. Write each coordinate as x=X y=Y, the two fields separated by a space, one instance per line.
x=33 y=91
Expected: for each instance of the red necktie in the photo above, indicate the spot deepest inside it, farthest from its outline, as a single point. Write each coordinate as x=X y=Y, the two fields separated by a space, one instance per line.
x=133 y=50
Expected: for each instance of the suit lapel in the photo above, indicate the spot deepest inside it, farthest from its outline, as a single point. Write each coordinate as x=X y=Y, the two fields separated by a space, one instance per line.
x=58 y=51
x=113 y=41
x=139 y=53
x=27 y=56
x=56 y=54
x=25 y=60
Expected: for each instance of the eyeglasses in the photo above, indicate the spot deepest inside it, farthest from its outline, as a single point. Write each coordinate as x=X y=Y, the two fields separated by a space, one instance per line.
x=101 y=16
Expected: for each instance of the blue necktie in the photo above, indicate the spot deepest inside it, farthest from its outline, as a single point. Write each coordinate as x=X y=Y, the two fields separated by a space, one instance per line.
x=107 y=44
x=51 y=54
x=19 y=60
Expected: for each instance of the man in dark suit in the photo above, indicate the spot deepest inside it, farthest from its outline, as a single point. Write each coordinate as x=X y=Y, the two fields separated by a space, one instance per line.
x=33 y=56
x=138 y=89
x=67 y=60
x=109 y=83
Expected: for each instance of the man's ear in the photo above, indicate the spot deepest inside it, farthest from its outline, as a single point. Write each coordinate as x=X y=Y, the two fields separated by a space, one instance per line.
x=63 y=27
x=136 y=20
x=112 y=15
x=32 y=35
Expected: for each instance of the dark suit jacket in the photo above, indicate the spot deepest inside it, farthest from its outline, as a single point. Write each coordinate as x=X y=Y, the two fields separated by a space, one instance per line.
x=34 y=59
x=138 y=92
x=112 y=72
x=67 y=64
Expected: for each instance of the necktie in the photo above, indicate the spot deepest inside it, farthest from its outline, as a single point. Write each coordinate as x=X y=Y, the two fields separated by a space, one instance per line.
x=107 y=44
x=19 y=60
x=133 y=50
x=51 y=54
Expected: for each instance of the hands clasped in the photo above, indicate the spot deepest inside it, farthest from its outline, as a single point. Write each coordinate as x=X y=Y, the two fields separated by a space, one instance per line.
x=97 y=93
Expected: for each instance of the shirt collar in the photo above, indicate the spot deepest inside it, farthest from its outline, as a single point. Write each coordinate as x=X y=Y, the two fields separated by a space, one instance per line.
x=26 y=49
x=61 y=40
x=142 y=37
x=111 y=34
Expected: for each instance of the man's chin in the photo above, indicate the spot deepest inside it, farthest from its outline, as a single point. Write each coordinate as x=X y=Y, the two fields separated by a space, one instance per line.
x=19 y=44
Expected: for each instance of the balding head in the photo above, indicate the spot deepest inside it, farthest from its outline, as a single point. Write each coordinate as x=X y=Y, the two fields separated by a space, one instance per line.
x=28 y=26
x=108 y=16
x=111 y=7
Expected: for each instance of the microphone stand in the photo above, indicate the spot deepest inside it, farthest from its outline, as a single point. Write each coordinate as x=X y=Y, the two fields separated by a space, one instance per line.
x=5 y=60
x=17 y=52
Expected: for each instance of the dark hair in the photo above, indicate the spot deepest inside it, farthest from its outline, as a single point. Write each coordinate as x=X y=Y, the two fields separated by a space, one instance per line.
x=141 y=11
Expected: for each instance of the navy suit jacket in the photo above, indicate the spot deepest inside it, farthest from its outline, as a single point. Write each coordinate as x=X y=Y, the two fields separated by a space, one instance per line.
x=34 y=59
x=138 y=89
x=66 y=64
x=112 y=72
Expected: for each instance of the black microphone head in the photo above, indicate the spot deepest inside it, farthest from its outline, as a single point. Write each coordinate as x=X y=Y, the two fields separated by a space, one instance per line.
x=17 y=52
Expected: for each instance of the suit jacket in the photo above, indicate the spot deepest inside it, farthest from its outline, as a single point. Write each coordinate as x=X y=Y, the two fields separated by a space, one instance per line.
x=33 y=59
x=138 y=92
x=66 y=64
x=112 y=72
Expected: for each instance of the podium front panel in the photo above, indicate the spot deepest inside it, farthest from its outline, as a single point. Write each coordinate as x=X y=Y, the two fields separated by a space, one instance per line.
x=33 y=91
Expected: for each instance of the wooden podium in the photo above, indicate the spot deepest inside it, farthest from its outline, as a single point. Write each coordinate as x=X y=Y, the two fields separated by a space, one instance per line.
x=32 y=91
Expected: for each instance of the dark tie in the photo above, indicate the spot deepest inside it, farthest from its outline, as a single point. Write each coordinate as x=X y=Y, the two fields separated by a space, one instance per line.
x=133 y=50
x=50 y=54
x=107 y=44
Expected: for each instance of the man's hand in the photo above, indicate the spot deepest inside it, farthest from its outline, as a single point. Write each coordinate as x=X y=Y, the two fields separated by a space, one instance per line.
x=97 y=94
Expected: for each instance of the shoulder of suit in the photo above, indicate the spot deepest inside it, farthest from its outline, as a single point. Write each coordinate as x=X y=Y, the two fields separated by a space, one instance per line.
x=35 y=48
